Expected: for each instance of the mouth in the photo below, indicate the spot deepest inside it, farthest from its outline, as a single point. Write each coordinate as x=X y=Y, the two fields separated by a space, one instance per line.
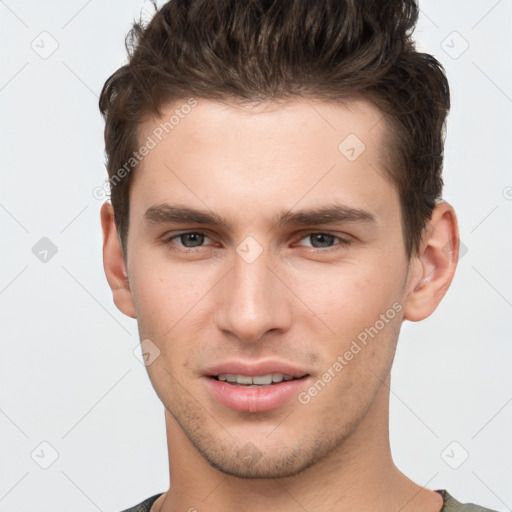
x=255 y=381
x=255 y=388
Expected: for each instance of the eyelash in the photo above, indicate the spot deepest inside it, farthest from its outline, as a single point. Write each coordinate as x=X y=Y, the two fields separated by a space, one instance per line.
x=342 y=242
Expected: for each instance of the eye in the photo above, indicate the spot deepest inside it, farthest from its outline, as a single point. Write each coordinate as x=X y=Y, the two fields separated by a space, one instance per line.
x=196 y=239
x=324 y=240
x=188 y=240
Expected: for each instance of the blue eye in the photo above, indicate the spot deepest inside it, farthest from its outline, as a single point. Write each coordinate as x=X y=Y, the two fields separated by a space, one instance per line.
x=324 y=238
x=196 y=239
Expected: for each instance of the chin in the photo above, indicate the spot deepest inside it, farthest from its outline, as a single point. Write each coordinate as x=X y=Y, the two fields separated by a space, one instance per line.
x=248 y=461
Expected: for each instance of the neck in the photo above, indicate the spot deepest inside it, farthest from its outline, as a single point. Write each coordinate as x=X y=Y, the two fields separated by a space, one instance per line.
x=358 y=475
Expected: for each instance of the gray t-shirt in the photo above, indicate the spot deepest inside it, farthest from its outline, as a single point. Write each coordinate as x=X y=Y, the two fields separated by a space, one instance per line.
x=450 y=504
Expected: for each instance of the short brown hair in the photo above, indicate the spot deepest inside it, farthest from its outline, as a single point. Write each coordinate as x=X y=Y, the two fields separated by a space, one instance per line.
x=255 y=50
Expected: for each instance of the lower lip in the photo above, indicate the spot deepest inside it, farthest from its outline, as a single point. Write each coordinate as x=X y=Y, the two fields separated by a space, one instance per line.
x=248 y=399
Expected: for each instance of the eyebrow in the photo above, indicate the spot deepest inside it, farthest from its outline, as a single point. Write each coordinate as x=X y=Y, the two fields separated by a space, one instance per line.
x=328 y=214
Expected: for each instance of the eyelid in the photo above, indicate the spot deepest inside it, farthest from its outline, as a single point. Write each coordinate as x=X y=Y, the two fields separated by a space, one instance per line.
x=342 y=241
x=167 y=240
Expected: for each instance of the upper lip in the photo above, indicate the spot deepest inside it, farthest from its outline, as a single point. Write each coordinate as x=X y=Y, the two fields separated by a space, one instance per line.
x=254 y=368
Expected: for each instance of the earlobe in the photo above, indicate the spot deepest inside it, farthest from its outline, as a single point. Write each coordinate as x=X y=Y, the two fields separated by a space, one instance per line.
x=435 y=264
x=114 y=263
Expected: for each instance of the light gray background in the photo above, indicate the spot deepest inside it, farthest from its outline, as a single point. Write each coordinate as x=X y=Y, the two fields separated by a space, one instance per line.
x=68 y=373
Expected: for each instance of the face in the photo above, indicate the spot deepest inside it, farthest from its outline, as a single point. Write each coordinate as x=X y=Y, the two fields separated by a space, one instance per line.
x=293 y=266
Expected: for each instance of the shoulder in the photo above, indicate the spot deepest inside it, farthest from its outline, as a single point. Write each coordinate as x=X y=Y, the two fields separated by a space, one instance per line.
x=144 y=506
x=452 y=505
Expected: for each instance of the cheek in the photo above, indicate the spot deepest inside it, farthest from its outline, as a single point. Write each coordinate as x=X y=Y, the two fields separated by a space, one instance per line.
x=351 y=297
x=169 y=296
x=160 y=297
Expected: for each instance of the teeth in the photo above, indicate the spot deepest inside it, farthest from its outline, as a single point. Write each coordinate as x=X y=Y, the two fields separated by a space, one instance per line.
x=264 y=379
x=261 y=380
x=242 y=379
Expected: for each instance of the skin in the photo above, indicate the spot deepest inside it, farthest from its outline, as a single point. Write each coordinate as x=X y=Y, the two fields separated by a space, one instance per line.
x=303 y=300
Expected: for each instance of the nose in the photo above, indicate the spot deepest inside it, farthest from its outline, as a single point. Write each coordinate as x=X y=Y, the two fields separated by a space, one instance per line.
x=254 y=300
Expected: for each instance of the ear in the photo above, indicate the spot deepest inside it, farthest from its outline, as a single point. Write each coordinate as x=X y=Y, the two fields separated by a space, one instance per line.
x=114 y=263
x=431 y=271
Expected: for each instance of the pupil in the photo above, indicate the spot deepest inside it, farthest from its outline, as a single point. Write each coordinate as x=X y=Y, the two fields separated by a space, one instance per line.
x=323 y=236
x=192 y=235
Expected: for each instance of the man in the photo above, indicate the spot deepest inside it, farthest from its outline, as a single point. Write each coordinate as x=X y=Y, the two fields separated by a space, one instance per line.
x=276 y=214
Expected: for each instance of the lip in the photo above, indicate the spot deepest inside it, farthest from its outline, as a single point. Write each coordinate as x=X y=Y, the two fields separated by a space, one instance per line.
x=252 y=369
x=250 y=399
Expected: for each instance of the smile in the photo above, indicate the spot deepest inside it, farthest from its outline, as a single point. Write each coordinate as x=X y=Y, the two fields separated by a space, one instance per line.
x=257 y=380
x=258 y=393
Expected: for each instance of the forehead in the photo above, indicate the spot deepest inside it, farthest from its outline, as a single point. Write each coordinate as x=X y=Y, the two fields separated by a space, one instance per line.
x=293 y=121
x=261 y=153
